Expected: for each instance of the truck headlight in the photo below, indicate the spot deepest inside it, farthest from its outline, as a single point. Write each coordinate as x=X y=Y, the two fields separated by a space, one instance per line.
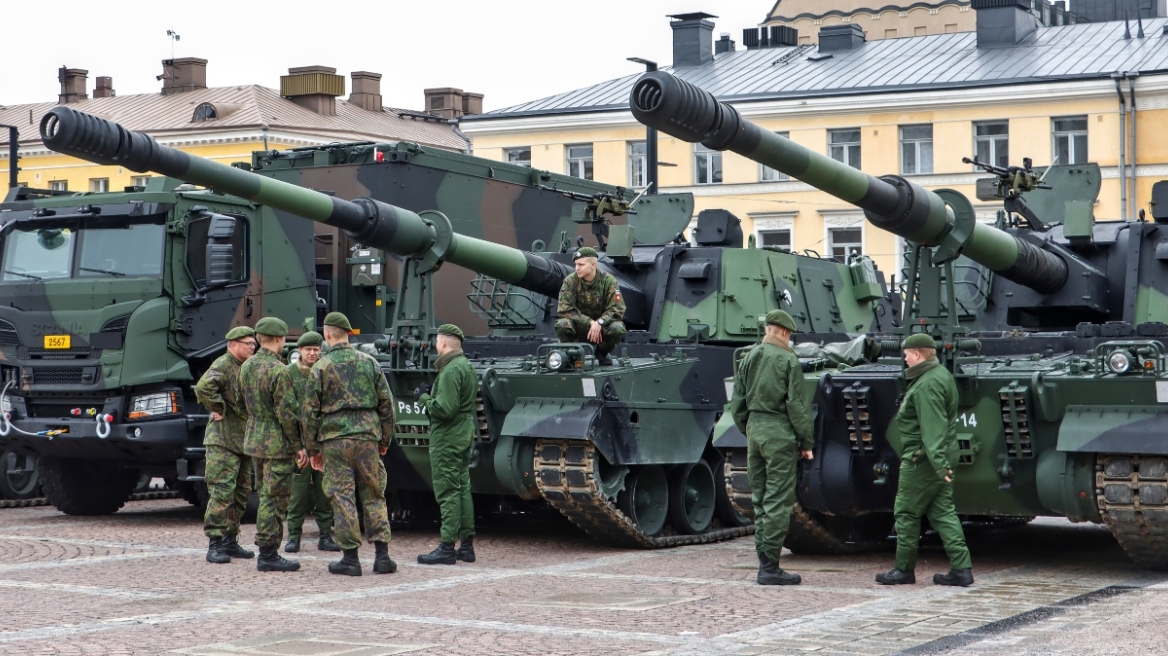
x=153 y=405
x=1119 y=362
x=555 y=360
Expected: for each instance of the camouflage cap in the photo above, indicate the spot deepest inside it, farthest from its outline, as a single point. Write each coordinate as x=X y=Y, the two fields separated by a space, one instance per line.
x=919 y=340
x=451 y=329
x=780 y=318
x=584 y=252
x=239 y=332
x=310 y=338
x=271 y=327
x=337 y=320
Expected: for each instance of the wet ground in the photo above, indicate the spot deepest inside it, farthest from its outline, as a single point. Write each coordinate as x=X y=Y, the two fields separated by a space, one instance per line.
x=137 y=583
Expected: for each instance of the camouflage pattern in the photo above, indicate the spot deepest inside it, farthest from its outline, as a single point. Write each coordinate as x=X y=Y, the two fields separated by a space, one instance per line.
x=353 y=470
x=308 y=493
x=220 y=390
x=228 y=475
x=348 y=397
x=274 y=479
x=273 y=426
x=451 y=407
x=581 y=302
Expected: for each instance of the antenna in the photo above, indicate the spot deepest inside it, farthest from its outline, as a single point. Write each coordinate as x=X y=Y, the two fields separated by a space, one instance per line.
x=174 y=36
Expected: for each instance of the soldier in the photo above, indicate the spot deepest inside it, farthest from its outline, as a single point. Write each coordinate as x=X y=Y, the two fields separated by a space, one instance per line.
x=308 y=485
x=348 y=426
x=228 y=468
x=591 y=307
x=452 y=429
x=925 y=421
x=769 y=406
x=273 y=439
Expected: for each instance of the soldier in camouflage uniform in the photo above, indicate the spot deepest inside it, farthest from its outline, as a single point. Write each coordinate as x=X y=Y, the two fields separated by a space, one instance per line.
x=591 y=308
x=308 y=485
x=347 y=429
x=228 y=468
x=771 y=409
x=451 y=409
x=272 y=439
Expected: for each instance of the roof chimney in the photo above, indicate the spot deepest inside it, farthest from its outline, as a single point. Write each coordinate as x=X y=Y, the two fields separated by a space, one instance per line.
x=840 y=38
x=1004 y=22
x=72 y=85
x=183 y=74
x=105 y=87
x=693 y=39
x=313 y=87
x=472 y=103
x=723 y=44
x=450 y=103
x=366 y=91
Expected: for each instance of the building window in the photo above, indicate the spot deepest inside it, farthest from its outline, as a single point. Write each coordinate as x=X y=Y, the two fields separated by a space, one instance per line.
x=991 y=142
x=916 y=149
x=844 y=146
x=707 y=165
x=767 y=174
x=580 y=161
x=520 y=156
x=204 y=112
x=777 y=238
x=845 y=242
x=98 y=185
x=59 y=185
x=140 y=180
x=638 y=164
x=1070 y=139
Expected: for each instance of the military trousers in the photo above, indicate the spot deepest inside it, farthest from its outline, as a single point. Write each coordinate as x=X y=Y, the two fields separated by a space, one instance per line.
x=576 y=330
x=921 y=493
x=228 y=478
x=274 y=476
x=352 y=468
x=450 y=471
x=772 y=452
x=308 y=495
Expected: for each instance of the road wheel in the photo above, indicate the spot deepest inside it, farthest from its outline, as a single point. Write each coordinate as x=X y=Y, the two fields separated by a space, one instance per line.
x=645 y=499
x=692 y=497
x=19 y=478
x=77 y=487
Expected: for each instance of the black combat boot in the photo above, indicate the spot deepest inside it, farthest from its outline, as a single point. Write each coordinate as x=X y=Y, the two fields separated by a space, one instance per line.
x=443 y=555
x=769 y=573
x=603 y=359
x=292 y=545
x=958 y=577
x=215 y=552
x=326 y=543
x=270 y=560
x=231 y=547
x=897 y=577
x=466 y=550
x=382 y=563
x=349 y=564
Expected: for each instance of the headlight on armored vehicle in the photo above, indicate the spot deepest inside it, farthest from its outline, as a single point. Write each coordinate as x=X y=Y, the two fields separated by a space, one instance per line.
x=153 y=405
x=1119 y=362
x=555 y=360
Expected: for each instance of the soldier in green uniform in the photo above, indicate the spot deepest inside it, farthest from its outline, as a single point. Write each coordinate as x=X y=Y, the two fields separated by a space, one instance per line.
x=925 y=422
x=591 y=308
x=770 y=408
x=308 y=485
x=452 y=428
x=228 y=468
x=272 y=439
x=347 y=428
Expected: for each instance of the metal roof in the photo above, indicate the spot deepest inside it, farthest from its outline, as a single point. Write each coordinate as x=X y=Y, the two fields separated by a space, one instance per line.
x=1067 y=52
x=243 y=107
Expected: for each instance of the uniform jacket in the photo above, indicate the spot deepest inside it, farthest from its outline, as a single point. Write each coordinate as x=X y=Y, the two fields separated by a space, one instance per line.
x=219 y=391
x=347 y=397
x=273 y=426
x=599 y=299
x=926 y=417
x=768 y=386
x=451 y=405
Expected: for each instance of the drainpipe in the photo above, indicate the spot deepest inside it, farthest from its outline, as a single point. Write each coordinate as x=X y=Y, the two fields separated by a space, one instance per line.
x=454 y=125
x=13 y=153
x=1131 y=153
x=1118 y=77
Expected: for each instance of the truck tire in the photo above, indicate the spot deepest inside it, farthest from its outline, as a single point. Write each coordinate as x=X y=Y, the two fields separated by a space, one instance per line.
x=24 y=485
x=76 y=487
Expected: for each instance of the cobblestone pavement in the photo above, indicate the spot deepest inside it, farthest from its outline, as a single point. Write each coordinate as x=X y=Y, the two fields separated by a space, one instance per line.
x=137 y=583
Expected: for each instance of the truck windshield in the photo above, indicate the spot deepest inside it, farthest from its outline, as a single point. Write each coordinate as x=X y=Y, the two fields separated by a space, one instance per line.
x=101 y=248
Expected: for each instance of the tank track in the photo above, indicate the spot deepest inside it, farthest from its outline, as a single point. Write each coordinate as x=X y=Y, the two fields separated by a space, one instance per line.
x=565 y=473
x=1132 y=494
x=43 y=501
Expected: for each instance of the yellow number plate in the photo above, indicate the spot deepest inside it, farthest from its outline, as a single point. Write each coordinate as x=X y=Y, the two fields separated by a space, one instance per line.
x=57 y=341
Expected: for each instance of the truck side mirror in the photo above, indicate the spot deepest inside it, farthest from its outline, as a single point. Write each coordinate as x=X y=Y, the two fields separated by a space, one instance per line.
x=220 y=253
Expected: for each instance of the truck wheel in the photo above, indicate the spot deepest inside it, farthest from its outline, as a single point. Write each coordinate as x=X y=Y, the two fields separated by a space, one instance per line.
x=19 y=476
x=76 y=487
x=193 y=492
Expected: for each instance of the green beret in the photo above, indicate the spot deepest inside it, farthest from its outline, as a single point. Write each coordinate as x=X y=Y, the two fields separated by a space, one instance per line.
x=584 y=252
x=310 y=338
x=337 y=320
x=780 y=318
x=450 y=329
x=239 y=332
x=919 y=340
x=271 y=327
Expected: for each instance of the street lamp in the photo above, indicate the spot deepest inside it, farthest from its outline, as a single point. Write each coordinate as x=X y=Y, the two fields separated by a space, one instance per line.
x=650 y=138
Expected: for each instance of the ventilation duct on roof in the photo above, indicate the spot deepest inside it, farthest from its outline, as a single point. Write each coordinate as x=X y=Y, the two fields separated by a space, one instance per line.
x=1005 y=22
x=775 y=36
x=839 y=38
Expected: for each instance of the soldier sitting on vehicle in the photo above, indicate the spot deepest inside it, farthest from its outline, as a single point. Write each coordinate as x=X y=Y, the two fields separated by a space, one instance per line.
x=591 y=307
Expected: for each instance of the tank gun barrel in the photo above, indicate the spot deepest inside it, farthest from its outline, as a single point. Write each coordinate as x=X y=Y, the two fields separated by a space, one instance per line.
x=365 y=220
x=902 y=207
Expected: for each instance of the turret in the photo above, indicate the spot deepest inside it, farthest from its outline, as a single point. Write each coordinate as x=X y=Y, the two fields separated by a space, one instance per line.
x=890 y=202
